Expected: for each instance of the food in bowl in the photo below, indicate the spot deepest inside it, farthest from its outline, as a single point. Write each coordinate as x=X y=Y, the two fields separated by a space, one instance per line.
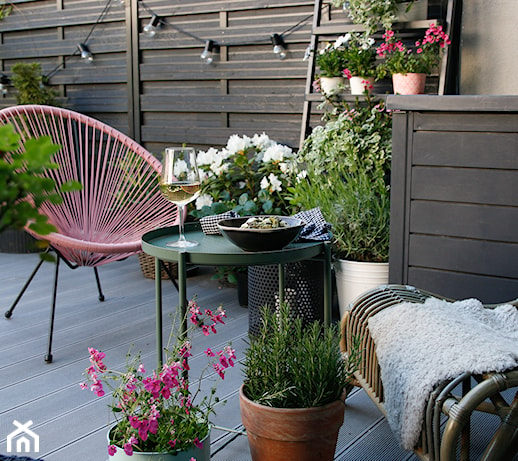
x=264 y=222
x=261 y=238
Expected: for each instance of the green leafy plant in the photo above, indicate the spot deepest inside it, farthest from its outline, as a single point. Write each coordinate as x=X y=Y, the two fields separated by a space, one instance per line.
x=345 y=170
x=331 y=60
x=292 y=365
x=372 y=13
x=5 y=10
x=249 y=176
x=160 y=412
x=360 y=56
x=23 y=188
x=31 y=85
x=423 y=57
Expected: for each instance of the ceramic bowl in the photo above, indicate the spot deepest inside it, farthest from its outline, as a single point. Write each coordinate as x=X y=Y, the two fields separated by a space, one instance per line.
x=260 y=239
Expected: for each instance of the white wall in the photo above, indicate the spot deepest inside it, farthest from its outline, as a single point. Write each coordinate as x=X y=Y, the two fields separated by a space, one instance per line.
x=489 y=53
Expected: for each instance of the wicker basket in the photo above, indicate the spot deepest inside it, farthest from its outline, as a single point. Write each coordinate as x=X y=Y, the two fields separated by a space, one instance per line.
x=147 y=264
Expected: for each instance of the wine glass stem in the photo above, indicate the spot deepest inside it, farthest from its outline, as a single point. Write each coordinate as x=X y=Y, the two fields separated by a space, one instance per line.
x=181 y=236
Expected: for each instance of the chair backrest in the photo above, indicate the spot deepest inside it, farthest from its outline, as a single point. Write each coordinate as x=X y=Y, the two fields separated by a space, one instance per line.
x=120 y=199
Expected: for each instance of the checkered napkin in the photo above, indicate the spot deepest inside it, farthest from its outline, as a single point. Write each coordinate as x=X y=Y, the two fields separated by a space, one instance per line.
x=316 y=228
x=209 y=224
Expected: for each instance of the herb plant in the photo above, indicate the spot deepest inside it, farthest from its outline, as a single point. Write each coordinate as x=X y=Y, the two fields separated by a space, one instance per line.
x=292 y=365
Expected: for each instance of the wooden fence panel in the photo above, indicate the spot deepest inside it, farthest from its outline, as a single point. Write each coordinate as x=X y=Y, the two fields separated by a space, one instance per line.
x=157 y=89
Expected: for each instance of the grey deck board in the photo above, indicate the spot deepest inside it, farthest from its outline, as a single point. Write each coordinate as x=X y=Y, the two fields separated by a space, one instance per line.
x=72 y=423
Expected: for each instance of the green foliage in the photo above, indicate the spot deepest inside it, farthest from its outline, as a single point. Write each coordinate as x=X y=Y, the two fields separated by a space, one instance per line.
x=372 y=13
x=289 y=365
x=347 y=171
x=22 y=187
x=5 y=10
x=352 y=51
x=31 y=85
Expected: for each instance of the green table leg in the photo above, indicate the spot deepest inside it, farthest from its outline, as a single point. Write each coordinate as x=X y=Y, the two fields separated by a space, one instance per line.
x=158 y=301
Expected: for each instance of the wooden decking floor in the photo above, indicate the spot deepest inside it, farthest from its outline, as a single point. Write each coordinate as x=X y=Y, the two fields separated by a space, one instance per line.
x=72 y=423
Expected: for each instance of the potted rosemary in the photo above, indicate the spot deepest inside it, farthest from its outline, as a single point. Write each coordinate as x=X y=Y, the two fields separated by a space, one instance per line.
x=292 y=398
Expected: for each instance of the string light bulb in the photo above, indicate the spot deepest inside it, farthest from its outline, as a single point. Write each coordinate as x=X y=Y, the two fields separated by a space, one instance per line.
x=86 y=55
x=279 y=48
x=207 y=56
x=152 y=26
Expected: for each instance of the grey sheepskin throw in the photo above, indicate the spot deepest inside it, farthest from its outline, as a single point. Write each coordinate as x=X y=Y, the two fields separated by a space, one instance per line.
x=421 y=345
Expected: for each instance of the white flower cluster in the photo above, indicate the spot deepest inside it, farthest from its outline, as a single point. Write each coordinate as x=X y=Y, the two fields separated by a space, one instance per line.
x=214 y=163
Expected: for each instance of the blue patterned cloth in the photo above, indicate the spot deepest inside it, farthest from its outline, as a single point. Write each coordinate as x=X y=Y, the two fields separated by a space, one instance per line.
x=209 y=224
x=316 y=228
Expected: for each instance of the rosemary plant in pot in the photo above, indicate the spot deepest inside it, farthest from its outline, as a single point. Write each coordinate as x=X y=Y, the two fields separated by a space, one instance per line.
x=292 y=398
x=346 y=172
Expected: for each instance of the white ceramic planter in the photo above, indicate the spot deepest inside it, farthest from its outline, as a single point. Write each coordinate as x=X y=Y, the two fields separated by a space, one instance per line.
x=358 y=84
x=331 y=85
x=354 y=278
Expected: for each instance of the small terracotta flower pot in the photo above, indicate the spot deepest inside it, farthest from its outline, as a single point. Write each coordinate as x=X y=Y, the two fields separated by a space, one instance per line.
x=302 y=434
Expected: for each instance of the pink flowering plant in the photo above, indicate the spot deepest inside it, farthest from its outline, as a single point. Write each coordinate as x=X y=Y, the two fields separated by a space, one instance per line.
x=423 y=57
x=160 y=411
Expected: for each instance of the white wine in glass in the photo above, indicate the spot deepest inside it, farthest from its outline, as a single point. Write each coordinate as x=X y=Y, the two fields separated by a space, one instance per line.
x=180 y=184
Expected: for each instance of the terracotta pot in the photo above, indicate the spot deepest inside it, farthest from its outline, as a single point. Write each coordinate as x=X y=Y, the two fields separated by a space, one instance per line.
x=302 y=434
x=408 y=83
x=358 y=84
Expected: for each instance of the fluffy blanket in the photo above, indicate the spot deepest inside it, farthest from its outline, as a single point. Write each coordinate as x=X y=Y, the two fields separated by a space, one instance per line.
x=421 y=345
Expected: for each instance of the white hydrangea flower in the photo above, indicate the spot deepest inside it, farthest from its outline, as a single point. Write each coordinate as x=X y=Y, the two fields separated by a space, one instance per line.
x=236 y=144
x=203 y=200
x=264 y=183
x=206 y=158
x=180 y=167
x=277 y=153
x=342 y=41
x=275 y=183
x=262 y=141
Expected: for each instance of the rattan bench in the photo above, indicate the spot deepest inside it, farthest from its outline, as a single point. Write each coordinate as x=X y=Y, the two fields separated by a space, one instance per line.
x=446 y=427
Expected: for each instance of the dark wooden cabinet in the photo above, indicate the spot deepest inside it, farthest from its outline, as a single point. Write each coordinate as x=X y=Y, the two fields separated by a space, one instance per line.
x=454 y=198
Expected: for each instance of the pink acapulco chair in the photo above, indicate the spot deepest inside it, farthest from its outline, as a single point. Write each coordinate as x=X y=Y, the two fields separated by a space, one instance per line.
x=120 y=199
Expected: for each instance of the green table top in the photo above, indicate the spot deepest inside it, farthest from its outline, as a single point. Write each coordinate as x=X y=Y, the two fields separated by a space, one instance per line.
x=217 y=250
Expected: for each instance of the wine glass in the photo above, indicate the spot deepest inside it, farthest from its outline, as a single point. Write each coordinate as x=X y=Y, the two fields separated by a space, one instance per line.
x=180 y=183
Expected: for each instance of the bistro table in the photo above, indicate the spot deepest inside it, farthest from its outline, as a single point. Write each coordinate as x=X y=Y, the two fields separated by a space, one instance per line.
x=216 y=250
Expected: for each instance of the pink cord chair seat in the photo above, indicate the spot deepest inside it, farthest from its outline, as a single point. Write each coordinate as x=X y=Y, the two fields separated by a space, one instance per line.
x=120 y=199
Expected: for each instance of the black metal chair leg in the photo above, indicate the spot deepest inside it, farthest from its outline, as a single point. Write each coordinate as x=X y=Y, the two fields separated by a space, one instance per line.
x=101 y=295
x=48 y=357
x=9 y=313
